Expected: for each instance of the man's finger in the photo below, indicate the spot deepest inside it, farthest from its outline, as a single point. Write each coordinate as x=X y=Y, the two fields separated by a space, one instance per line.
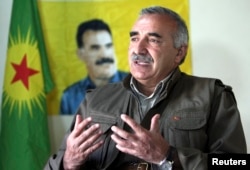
x=155 y=123
x=120 y=132
x=134 y=126
x=80 y=125
x=91 y=138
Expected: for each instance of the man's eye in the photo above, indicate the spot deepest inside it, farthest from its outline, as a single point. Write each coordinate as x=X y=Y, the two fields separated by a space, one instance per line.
x=95 y=47
x=133 y=39
x=109 y=45
x=154 y=41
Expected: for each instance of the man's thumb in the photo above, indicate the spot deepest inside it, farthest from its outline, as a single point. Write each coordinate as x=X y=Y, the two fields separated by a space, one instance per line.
x=155 y=123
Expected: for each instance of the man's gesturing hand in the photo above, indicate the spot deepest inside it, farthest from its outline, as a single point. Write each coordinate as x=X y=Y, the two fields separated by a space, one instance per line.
x=82 y=141
x=148 y=145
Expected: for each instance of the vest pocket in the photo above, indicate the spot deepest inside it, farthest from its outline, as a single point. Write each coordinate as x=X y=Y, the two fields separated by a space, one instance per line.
x=105 y=155
x=187 y=129
x=105 y=121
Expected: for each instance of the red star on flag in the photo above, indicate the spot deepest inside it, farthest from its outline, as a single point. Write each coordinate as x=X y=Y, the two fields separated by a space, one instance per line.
x=23 y=72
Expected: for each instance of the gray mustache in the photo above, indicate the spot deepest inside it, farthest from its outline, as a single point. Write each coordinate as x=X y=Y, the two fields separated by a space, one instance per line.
x=143 y=58
x=104 y=60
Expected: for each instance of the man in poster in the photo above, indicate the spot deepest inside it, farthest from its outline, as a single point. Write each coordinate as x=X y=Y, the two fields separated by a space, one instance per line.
x=96 y=50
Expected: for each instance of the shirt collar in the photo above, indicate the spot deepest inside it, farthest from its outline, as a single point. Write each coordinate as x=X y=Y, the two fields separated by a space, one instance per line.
x=158 y=88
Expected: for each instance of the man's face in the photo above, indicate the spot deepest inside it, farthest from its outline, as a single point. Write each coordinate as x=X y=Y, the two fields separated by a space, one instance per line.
x=98 y=54
x=151 y=38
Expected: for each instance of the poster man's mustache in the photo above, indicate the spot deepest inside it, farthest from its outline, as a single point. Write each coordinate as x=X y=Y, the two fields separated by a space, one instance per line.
x=104 y=60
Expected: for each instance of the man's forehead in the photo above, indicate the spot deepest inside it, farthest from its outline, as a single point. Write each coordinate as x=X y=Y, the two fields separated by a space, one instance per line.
x=153 y=23
x=97 y=36
x=96 y=33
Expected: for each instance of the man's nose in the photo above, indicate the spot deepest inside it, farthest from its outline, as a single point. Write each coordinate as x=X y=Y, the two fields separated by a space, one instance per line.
x=105 y=52
x=141 y=47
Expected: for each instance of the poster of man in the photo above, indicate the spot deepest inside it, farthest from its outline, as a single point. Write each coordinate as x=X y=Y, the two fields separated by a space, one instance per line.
x=96 y=50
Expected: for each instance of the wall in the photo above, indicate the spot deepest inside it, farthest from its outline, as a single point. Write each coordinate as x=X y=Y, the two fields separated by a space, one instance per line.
x=220 y=48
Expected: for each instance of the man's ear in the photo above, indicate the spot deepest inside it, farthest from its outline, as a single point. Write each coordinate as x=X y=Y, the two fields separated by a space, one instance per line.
x=181 y=53
x=80 y=53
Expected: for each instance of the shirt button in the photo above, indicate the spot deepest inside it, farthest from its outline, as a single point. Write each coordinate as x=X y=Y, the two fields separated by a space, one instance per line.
x=177 y=118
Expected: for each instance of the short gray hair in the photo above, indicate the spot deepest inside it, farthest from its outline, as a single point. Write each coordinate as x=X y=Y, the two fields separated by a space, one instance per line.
x=181 y=35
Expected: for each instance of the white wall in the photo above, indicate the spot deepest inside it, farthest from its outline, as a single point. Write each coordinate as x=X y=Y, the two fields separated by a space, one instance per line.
x=220 y=48
x=220 y=45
